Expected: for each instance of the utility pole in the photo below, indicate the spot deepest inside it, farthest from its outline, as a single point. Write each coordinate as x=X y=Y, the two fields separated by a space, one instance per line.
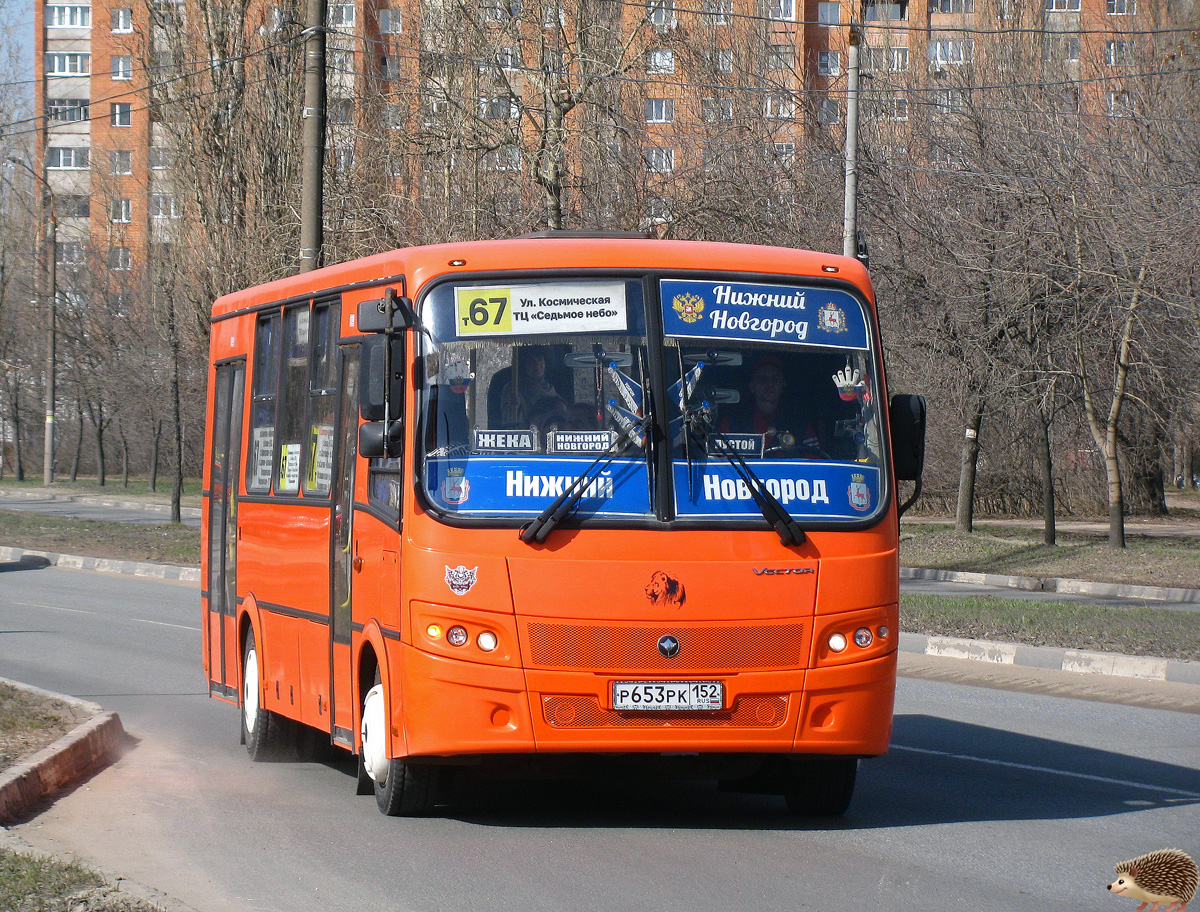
x=50 y=256
x=850 y=223
x=312 y=179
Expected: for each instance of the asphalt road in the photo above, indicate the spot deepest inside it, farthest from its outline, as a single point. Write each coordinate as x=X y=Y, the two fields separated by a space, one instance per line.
x=989 y=799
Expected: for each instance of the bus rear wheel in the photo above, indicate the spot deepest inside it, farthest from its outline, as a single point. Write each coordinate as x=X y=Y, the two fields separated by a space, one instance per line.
x=402 y=788
x=264 y=733
x=821 y=786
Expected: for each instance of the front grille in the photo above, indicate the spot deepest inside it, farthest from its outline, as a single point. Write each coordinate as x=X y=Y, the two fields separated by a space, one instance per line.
x=586 y=712
x=742 y=647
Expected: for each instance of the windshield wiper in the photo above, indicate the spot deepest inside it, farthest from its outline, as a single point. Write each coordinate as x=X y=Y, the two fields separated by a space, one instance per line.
x=536 y=531
x=700 y=427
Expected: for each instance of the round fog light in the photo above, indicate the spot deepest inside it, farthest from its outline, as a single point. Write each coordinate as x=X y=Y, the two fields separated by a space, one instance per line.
x=456 y=636
x=434 y=631
x=486 y=641
x=837 y=642
x=883 y=633
x=863 y=637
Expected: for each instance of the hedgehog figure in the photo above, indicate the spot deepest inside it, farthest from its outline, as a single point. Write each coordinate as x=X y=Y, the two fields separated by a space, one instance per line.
x=1166 y=877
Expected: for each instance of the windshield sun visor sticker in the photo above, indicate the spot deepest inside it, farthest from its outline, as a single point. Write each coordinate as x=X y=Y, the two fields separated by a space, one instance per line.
x=759 y=312
x=518 y=310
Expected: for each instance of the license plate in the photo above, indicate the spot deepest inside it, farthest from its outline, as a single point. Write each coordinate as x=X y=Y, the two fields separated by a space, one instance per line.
x=668 y=695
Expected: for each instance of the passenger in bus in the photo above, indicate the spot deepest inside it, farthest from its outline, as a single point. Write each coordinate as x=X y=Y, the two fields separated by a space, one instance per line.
x=520 y=397
x=786 y=432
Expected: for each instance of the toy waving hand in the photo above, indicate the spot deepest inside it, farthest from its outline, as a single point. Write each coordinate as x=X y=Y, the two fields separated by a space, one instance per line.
x=849 y=383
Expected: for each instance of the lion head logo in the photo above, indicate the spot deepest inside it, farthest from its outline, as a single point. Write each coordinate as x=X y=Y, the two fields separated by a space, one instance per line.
x=664 y=590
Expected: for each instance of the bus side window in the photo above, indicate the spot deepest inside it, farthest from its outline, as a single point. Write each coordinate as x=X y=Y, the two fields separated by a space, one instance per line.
x=264 y=390
x=384 y=482
x=322 y=398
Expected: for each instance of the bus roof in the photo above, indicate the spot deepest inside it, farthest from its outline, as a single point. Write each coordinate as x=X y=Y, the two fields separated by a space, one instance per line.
x=421 y=264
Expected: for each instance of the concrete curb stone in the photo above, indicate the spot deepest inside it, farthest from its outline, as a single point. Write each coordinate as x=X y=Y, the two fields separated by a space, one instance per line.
x=86 y=746
x=106 y=565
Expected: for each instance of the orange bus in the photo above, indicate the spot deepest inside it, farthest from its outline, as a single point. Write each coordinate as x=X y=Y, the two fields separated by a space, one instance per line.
x=560 y=500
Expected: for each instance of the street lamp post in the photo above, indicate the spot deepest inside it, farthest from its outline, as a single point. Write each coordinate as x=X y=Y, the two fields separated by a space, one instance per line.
x=50 y=253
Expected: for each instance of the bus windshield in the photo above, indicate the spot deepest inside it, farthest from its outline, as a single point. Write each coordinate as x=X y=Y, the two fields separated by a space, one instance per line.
x=529 y=384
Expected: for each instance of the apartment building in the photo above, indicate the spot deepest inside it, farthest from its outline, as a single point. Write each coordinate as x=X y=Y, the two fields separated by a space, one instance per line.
x=712 y=78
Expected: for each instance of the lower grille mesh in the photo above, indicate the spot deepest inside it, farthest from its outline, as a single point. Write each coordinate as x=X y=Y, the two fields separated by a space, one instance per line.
x=598 y=647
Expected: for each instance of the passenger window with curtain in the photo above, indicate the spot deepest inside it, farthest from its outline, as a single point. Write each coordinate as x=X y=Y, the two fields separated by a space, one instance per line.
x=291 y=435
x=322 y=399
x=263 y=395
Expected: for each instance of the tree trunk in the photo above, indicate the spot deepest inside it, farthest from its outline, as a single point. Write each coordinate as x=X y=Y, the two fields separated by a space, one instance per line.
x=964 y=520
x=154 y=457
x=176 y=414
x=1049 y=535
x=78 y=445
x=16 y=423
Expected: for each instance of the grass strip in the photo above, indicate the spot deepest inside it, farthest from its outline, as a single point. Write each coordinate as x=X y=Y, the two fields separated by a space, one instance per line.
x=28 y=723
x=31 y=884
x=166 y=544
x=1160 y=632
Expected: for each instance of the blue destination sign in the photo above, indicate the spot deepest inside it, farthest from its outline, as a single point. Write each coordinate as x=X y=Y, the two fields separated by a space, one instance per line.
x=523 y=486
x=808 y=489
x=784 y=314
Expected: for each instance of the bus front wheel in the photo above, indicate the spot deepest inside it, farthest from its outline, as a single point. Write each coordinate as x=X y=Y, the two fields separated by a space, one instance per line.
x=402 y=789
x=264 y=733
x=822 y=786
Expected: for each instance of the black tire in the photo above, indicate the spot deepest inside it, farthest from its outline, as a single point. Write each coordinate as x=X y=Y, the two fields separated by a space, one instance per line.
x=821 y=787
x=402 y=788
x=267 y=735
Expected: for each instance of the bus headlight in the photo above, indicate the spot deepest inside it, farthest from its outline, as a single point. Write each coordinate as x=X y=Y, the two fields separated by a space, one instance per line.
x=863 y=637
x=456 y=636
x=486 y=641
x=837 y=642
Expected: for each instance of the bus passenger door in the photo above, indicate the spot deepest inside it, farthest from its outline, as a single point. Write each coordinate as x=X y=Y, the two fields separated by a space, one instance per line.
x=341 y=678
x=222 y=530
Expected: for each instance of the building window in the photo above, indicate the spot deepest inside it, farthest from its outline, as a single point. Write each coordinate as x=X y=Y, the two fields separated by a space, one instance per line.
x=829 y=112
x=952 y=6
x=1121 y=7
x=389 y=68
x=163 y=206
x=892 y=108
x=899 y=59
x=949 y=101
x=719 y=12
x=779 y=107
x=341 y=60
x=122 y=67
x=721 y=60
x=68 y=64
x=660 y=61
x=829 y=13
x=121 y=114
x=498 y=107
x=660 y=110
x=68 y=253
x=782 y=153
x=343 y=159
x=661 y=13
x=120 y=211
x=160 y=158
x=1117 y=54
x=885 y=12
x=67 y=110
x=781 y=57
x=1117 y=104
x=122 y=21
x=68 y=17
x=391 y=22
x=120 y=259
x=714 y=109
x=70 y=206
x=341 y=111
x=951 y=52
x=121 y=161
x=781 y=10
x=659 y=160
x=67 y=158
x=341 y=15
x=829 y=63
x=505 y=158
x=1061 y=6
x=1059 y=47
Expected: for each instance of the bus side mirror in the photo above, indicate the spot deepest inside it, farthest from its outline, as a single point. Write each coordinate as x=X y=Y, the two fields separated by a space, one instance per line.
x=907 y=421
x=373 y=315
x=374 y=376
x=376 y=440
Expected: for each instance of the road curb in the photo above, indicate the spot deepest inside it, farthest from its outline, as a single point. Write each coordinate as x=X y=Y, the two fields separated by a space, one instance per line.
x=1082 y=662
x=85 y=747
x=1055 y=584
x=104 y=565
